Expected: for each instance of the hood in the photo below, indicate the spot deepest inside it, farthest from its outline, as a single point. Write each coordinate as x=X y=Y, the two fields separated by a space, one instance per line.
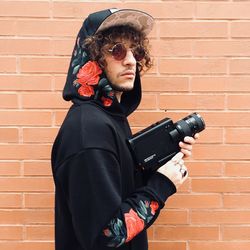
x=85 y=79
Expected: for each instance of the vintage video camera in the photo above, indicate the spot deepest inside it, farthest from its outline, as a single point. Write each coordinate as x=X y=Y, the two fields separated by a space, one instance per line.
x=155 y=145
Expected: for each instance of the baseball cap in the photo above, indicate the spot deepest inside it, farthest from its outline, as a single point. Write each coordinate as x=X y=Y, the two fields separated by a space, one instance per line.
x=108 y=18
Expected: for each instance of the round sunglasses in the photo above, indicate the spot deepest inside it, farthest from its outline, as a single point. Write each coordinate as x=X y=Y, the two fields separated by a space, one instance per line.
x=119 y=52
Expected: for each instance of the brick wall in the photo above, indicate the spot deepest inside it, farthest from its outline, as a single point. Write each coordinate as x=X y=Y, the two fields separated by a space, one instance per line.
x=202 y=63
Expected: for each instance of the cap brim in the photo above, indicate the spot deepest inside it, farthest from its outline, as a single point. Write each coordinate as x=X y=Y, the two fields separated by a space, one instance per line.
x=135 y=18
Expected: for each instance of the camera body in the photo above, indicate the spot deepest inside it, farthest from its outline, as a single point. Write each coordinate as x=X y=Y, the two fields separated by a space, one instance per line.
x=155 y=145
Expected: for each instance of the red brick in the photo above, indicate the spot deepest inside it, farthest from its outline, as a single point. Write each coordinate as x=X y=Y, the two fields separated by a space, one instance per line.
x=219 y=245
x=7 y=64
x=9 y=168
x=25 y=47
x=220 y=84
x=9 y=135
x=39 y=232
x=211 y=135
x=195 y=201
x=60 y=82
x=78 y=9
x=196 y=29
x=221 y=152
x=27 y=245
x=10 y=200
x=223 y=10
x=27 y=216
x=39 y=134
x=239 y=201
x=11 y=233
x=185 y=101
x=37 y=168
x=237 y=135
x=174 y=48
x=205 y=168
x=39 y=200
x=25 y=118
x=44 y=64
x=236 y=232
x=220 y=217
x=154 y=245
x=59 y=117
x=221 y=48
x=25 y=82
x=25 y=184
x=8 y=101
x=221 y=185
x=170 y=216
x=240 y=66
x=25 y=152
x=237 y=168
x=7 y=27
x=45 y=28
x=226 y=119
x=240 y=29
x=165 y=84
x=24 y=9
x=63 y=46
x=186 y=233
x=192 y=66
x=44 y=101
x=149 y=101
x=238 y=102
x=141 y=118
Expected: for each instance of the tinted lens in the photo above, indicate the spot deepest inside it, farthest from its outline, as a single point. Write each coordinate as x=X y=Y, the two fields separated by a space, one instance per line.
x=119 y=51
x=139 y=54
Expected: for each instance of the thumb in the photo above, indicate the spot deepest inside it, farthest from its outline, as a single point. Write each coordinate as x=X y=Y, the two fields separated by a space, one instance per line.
x=177 y=157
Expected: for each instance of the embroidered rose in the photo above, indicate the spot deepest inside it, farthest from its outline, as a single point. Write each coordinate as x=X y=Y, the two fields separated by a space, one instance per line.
x=134 y=224
x=89 y=74
x=154 y=206
x=106 y=101
x=86 y=90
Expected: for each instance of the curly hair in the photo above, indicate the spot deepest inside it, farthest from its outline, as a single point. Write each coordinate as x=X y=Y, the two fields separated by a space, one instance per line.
x=97 y=44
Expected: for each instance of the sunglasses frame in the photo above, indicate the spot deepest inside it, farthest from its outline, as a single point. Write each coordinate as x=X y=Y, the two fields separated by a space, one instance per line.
x=124 y=51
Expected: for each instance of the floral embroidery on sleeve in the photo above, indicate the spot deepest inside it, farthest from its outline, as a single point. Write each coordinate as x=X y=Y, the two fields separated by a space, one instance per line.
x=134 y=224
x=135 y=221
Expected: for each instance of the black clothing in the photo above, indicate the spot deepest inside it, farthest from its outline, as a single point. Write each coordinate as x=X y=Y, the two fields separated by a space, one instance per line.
x=101 y=202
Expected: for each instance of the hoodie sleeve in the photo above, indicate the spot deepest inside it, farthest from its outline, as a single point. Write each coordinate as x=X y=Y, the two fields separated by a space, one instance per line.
x=92 y=185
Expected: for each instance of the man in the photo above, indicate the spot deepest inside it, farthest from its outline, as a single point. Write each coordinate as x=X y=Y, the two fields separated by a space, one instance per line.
x=103 y=201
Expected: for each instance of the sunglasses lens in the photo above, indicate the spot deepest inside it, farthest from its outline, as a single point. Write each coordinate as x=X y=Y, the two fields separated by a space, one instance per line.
x=139 y=54
x=119 y=51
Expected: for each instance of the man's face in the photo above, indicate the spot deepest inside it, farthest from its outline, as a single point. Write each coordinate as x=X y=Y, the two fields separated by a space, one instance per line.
x=121 y=73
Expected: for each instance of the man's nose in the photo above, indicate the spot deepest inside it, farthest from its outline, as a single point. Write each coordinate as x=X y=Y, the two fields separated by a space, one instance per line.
x=129 y=58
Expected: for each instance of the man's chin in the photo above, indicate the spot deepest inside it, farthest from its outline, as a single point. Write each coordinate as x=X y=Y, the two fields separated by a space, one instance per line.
x=120 y=88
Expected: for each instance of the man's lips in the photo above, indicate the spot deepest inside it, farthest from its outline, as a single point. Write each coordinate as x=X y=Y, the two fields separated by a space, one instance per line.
x=128 y=73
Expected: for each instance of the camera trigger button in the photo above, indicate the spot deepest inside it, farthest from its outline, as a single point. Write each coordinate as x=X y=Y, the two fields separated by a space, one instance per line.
x=174 y=134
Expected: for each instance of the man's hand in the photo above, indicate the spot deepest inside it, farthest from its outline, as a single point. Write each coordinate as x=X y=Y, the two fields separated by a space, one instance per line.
x=187 y=145
x=175 y=170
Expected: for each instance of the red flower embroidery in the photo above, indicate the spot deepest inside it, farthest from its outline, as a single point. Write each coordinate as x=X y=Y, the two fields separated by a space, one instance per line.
x=107 y=232
x=86 y=90
x=134 y=224
x=89 y=73
x=106 y=101
x=154 y=206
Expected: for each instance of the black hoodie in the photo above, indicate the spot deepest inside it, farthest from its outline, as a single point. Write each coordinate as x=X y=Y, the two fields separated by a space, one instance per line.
x=101 y=201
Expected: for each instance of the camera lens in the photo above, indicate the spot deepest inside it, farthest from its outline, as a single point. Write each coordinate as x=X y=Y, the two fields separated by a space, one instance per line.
x=190 y=125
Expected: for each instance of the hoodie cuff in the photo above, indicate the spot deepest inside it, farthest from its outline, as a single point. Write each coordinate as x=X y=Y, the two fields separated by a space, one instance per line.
x=162 y=186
